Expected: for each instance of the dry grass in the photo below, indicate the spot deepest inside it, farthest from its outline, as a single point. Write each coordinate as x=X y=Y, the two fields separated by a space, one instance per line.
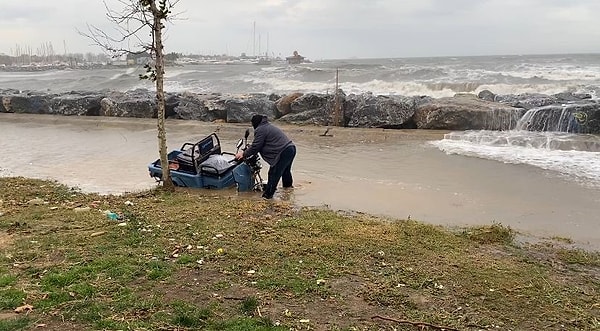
x=185 y=260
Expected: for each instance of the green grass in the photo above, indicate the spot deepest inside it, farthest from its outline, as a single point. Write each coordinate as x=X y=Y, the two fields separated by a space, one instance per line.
x=11 y=298
x=15 y=324
x=188 y=261
x=494 y=234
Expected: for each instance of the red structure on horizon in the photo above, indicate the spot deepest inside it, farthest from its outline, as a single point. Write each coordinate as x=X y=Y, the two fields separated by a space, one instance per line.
x=295 y=59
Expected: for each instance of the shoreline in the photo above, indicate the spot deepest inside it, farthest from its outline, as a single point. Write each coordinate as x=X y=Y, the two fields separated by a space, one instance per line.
x=392 y=173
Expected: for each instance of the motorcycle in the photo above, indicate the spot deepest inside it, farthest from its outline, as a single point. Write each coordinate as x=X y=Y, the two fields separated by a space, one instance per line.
x=204 y=165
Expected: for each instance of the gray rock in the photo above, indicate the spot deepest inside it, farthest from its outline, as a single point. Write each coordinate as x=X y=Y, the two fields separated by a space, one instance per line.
x=309 y=102
x=572 y=97
x=314 y=109
x=486 y=95
x=197 y=107
x=283 y=104
x=383 y=112
x=76 y=103
x=576 y=118
x=527 y=100
x=26 y=103
x=241 y=110
x=138 y=103
x=466 y=112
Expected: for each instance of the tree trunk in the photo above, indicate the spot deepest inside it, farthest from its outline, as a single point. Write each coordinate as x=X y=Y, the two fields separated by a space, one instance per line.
x=160 y=96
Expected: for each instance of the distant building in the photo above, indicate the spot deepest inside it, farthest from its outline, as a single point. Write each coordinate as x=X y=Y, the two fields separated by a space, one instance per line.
x=295 y=59
x=143 y=60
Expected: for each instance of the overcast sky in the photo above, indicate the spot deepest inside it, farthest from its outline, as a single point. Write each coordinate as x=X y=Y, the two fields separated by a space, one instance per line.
x=327 y=29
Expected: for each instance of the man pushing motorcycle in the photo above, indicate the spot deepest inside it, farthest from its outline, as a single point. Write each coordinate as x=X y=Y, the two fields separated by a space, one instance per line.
x=276 y=149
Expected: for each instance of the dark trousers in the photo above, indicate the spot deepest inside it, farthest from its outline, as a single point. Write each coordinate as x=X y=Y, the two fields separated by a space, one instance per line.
x=281 y=170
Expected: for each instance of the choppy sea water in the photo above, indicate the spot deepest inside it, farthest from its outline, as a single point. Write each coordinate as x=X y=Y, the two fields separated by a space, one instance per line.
x=436 y=77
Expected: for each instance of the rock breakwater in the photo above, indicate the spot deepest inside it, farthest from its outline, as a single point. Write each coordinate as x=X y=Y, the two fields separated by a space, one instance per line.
x=487 y=111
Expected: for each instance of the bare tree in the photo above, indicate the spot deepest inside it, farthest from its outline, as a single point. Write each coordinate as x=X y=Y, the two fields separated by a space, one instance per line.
x=135 y=18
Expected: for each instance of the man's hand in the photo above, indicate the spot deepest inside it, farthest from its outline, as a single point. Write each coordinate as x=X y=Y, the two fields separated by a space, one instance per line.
x=239 y=155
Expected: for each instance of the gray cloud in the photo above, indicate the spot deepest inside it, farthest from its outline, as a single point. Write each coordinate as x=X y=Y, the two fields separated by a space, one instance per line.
x=332 y=28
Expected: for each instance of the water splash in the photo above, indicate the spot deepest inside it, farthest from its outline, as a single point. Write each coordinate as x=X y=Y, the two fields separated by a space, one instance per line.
x=573 y=156
x=561 y=118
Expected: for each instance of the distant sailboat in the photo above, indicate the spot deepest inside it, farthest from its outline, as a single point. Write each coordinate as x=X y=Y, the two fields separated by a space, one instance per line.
x=264 y=60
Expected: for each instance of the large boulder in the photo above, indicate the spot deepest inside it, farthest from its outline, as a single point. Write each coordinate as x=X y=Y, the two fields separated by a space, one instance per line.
x=487 y=95
x=314 y=117
x=527 y=100
x=284 y=104
x=200 y=107
x=572 y=97
x=309 y=102
x=312 y=108
x=76 y=103
x=382 y=111
x=26 y=103
x=577 y=118
x=241 y=110
x=3 y=93
x=466 y=112
x=139 y=103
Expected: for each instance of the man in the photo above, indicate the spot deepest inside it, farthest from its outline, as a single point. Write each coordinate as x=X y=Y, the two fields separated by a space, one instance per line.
x=276 y=149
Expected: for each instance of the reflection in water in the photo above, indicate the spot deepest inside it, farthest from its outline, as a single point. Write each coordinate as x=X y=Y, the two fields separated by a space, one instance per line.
x=387 y=172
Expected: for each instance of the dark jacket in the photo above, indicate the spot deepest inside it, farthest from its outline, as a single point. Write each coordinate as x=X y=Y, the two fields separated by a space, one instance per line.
x=269 y=141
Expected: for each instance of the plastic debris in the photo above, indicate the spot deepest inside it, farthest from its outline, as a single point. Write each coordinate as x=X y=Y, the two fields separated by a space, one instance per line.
x=111 y=216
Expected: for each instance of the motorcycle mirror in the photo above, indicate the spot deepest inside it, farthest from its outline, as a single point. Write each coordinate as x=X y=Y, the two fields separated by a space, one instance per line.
x=239 y=143
x=247 y=134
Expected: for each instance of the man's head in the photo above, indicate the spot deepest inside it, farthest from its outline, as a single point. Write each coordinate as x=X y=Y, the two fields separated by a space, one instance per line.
x=256 y=119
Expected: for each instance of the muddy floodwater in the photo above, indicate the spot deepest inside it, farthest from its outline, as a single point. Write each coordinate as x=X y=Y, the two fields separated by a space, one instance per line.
x=394 y=173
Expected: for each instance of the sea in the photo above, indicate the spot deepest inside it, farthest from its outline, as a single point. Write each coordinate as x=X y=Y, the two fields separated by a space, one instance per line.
x=432 y=76
x=545 y=183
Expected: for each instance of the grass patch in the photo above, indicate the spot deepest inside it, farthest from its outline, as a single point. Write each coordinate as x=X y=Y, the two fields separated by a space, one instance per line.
x=11 y=298
x=14 y=324
x=580 y=257
x=7 y=280
x=189 y=316
x=493 y=234
x=244 y=324
x=249 y=305
x=196 y=260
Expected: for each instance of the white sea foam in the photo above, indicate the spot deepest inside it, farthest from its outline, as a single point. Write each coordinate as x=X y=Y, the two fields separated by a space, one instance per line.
x=283 y=84
x=520 y=148
x=558 y=73
x=176 y=73
x=548 y=89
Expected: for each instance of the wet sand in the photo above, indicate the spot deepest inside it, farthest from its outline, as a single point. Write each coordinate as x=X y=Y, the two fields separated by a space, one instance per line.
x=394 y=173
